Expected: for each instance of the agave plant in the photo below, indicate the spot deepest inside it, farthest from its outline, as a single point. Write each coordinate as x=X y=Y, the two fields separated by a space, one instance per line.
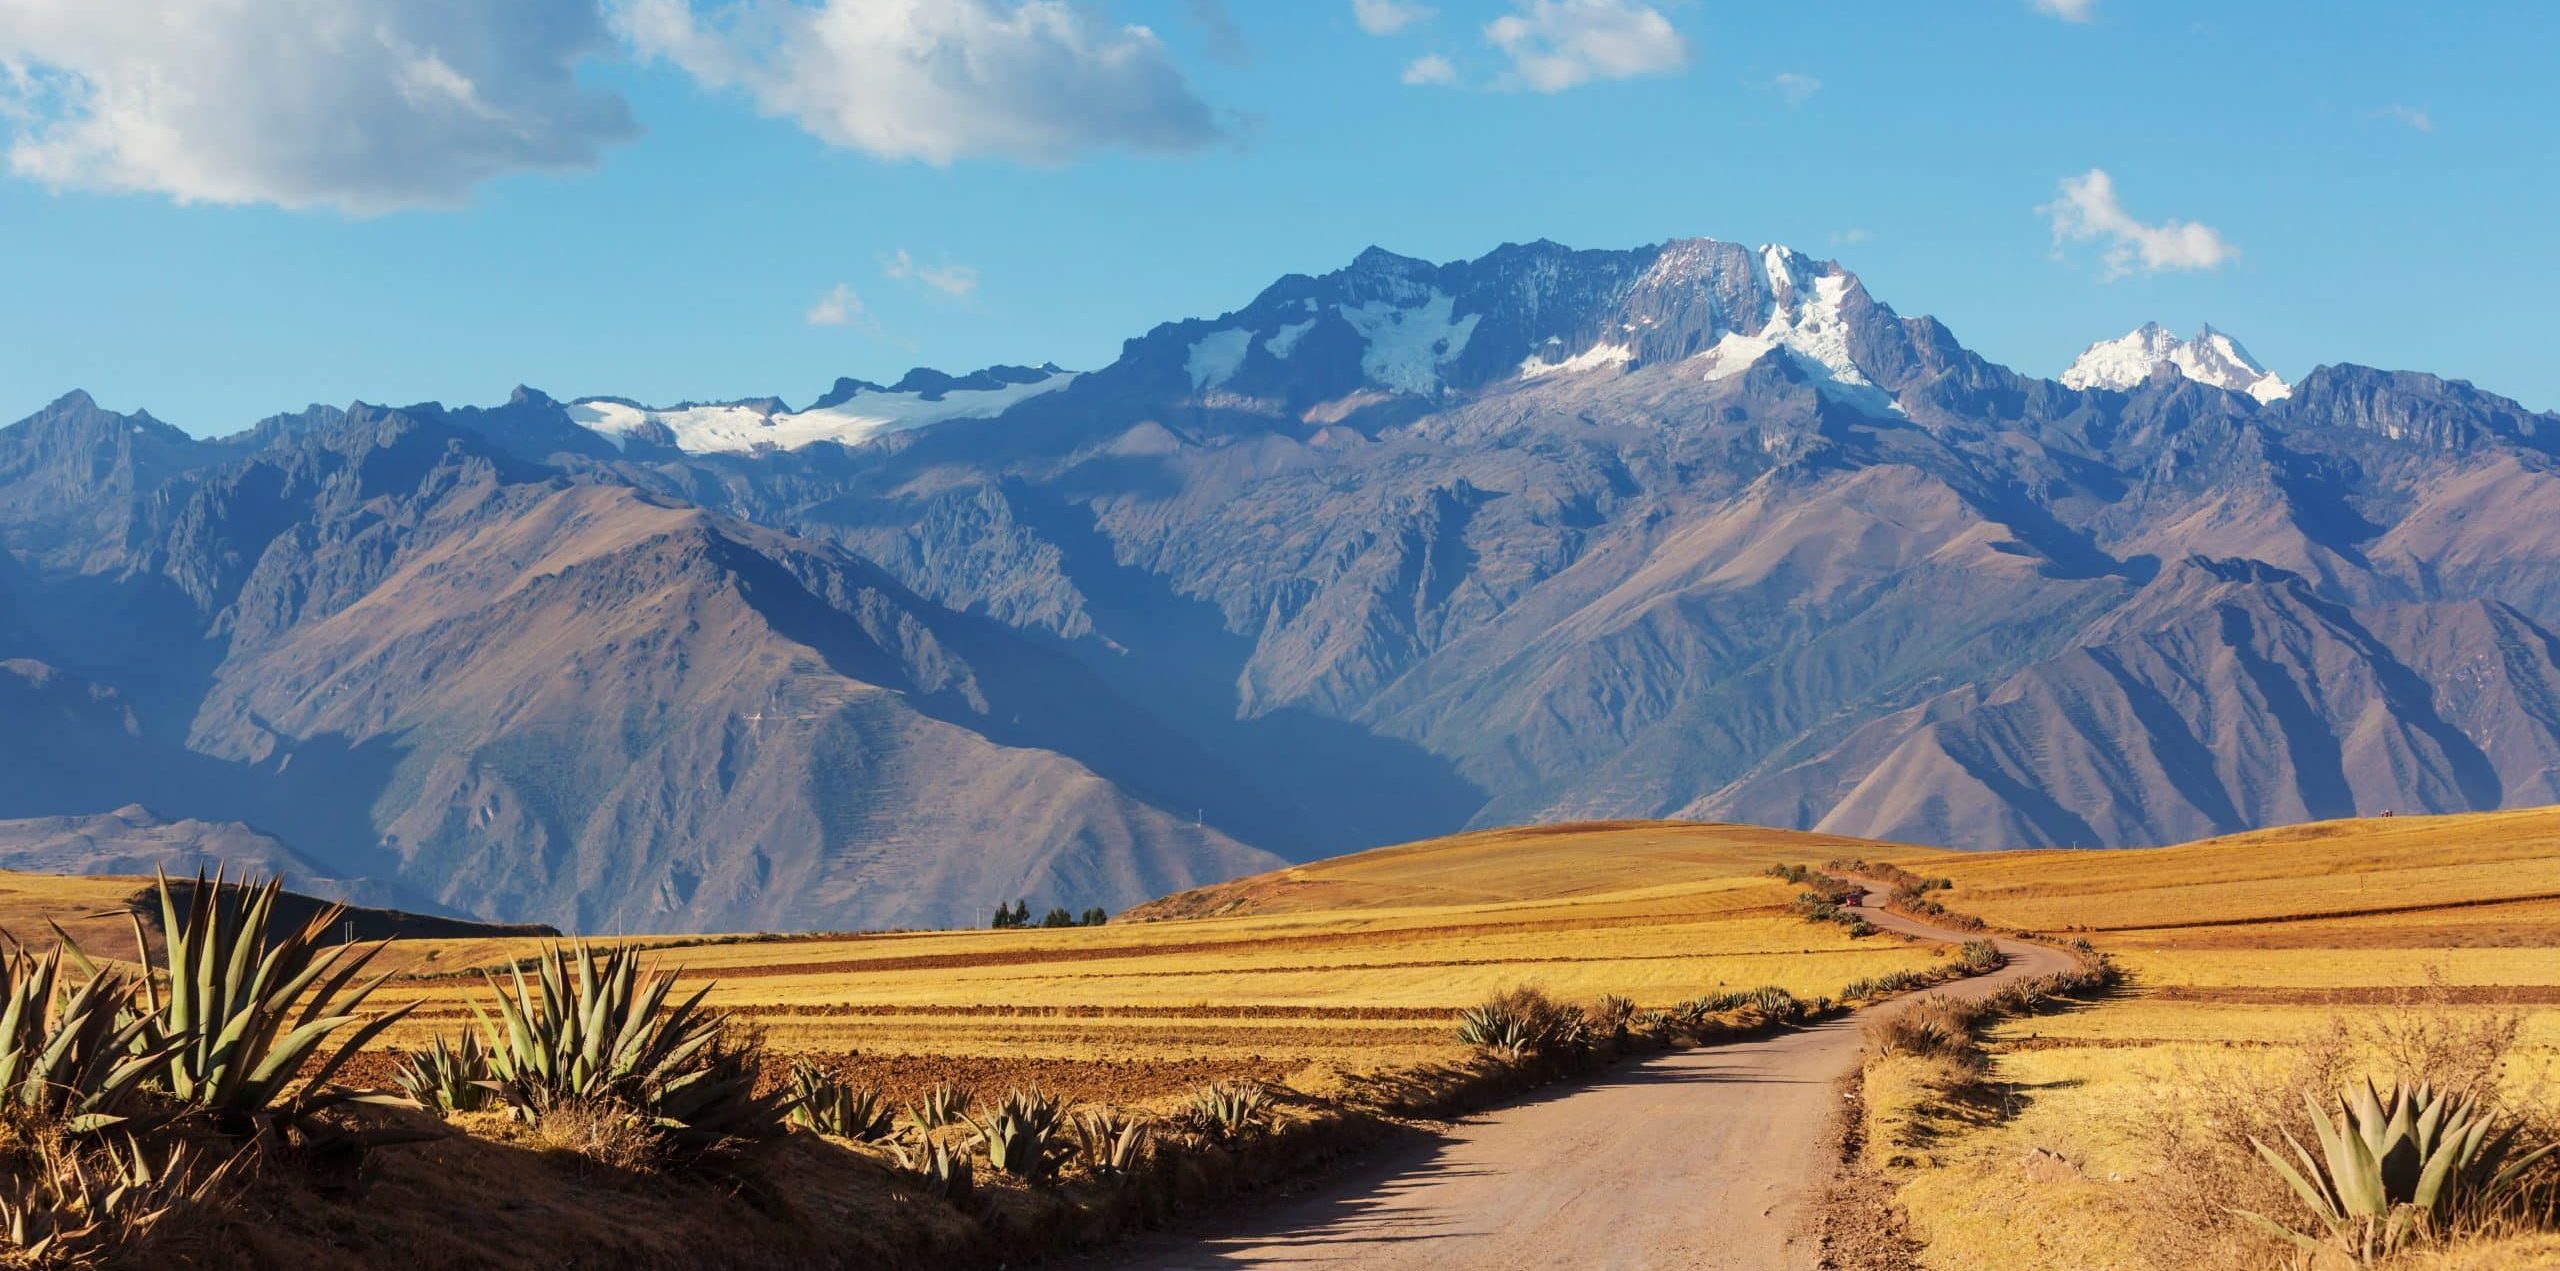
x=76 y=1058
x=937 y=1169
x=823 y=1102
x=1227 y=1111
x=1979 y=956
x=1774 y=1003
x=252 y=1008
x=1113 y=1143
x=447 y=1077
x=1025 y=1135
x=945 y=1104
x=90 y=1208
x=2391 y=1166
x=591 y=1029
x=1495 y=1028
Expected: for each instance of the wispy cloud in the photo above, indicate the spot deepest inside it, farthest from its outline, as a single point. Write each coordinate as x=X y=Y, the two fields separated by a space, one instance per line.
x=2068 y=10
x=2414 y=116
x=1430 y=68
x=2085 y=209
x=1387 y=17
x=956 y=281
x=1559 y=44
x=840 y=307
x=1218 y=28
x=938 y=80
x=1853 y=234
x=1797 y=89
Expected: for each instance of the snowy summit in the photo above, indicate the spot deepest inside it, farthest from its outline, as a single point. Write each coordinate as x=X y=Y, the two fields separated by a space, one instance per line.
x=853 y=413
x=2210 y=358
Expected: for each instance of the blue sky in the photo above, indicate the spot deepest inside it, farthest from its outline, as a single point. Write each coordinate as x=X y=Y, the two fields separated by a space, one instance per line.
x=664 y=218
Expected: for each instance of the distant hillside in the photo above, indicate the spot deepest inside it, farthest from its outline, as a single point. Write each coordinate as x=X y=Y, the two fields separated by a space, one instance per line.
x=1531 y=862
x=98 y=911
x=1694 y=530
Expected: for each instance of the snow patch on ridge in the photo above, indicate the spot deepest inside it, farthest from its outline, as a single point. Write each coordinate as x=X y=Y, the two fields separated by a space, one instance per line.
x=1590 y=359
x=739 y=429
x=1409 y=343
x=1284 y=341
x=2212 y=357
x=1216 y=357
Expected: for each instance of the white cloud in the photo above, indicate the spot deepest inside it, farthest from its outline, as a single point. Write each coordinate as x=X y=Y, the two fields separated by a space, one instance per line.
x=1386 y=17
x=840 y=307
x=1430 y=68
x=1853 y=234
x=1557 y=44
x=937 y=80
x=1795 y=88
x=955 y=281
x=2414 y=116
x=2069 y=10
x=2086 y=209
x=363 y=105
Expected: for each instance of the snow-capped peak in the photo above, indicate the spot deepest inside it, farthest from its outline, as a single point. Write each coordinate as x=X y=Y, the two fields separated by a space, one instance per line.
x=2210 y=358
x=853 y=413
x=1808 y=320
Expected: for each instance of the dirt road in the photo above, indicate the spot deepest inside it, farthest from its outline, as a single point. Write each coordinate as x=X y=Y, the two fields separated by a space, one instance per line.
x=1697 y=1159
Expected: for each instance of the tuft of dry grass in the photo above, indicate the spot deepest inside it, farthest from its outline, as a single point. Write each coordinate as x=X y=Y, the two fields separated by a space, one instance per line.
x=602 y=1134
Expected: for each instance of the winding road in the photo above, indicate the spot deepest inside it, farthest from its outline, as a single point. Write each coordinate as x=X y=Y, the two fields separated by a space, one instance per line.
x=1691 y=1159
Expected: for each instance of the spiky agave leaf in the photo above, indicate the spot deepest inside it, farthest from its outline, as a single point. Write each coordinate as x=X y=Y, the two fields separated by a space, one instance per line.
x=2390 y=1166
x=447 y=1076
x=938 y=1169
x=1113 y=1143
x=1227 y=1112
x=824 y=1102
x=591 y=1029
x=75 y=1057
x=105 y=1205
x=945 y=1104
x=252 y=1008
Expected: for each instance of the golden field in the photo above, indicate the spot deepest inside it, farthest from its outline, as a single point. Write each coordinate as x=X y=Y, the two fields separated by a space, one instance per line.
x=1351 y=964
x=2248 y=957
x=2252 y=960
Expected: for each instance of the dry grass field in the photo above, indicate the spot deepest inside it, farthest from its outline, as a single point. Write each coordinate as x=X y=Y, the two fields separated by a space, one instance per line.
x=1347 y=965
x=2258 y=963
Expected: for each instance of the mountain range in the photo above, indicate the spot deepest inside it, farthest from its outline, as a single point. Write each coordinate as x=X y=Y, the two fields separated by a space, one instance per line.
x=1693 y=530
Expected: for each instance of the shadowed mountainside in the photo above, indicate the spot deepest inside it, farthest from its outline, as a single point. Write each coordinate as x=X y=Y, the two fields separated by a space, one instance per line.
x=1692 y=530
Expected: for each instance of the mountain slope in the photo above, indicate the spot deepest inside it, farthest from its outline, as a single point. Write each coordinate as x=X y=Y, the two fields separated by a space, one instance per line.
x=644 y=716
x=1694 y=529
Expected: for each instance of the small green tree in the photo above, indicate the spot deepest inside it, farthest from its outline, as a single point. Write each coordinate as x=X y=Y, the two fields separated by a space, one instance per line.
x=1057 y=917
x=1003 y=918
x=1095 y=916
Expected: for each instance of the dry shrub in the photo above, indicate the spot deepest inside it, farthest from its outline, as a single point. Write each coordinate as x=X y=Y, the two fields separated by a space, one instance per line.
x=1939 y=1028
x=2200 y=1126
x=600 y=1132
x=86 y=1201
x=1610 y=1014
